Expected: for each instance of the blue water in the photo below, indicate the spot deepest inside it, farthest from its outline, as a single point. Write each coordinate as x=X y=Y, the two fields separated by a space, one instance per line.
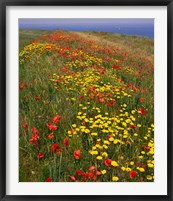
x=141 y=27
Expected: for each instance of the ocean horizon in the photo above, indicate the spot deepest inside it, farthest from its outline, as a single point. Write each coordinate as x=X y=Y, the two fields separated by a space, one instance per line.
x=139 y=27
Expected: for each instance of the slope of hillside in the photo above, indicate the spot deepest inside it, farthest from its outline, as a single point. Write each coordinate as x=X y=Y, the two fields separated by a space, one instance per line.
x=86 y=107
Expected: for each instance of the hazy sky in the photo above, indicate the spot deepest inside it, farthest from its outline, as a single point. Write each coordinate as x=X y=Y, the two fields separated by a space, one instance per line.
x=94 y=24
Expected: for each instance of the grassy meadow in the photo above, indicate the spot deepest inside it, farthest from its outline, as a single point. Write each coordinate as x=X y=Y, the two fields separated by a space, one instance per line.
x=86 y=107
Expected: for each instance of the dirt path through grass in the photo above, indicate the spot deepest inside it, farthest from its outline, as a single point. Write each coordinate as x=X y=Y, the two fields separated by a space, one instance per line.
x=118 y=44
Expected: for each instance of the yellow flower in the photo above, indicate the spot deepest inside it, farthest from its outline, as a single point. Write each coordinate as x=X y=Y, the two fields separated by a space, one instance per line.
x=105 y=146
x=114 y=178
x=69 y=132
x=150 y=165
x=114 y=163
x=74 y=125
x=103 y=171
x=123 y=168
x=141 y=169
x=94 y=134
x=106 y=142
x=111 y=139
x=131 y=163
x=152 y=125
x=104 y=154
x=99 y=157
x=115 y=141
x=140 y=157
x=128 y=169
x=93 y=152
x=128 y=121
x=149 y=177
x=124 y=124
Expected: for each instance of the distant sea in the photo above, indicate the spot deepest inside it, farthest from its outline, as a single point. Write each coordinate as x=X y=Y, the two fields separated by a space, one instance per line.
x=145 y=28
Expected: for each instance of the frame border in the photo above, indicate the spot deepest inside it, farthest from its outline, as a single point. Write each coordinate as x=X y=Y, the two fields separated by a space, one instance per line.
x=3 y=5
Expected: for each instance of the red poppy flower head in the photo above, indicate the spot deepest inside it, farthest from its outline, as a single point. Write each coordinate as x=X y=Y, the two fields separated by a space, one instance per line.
x=115 y=66
x=51 y=127
x=142 y=111
x=98 y=173
x=92 y=168
x=25 y=125
x=59 y=150
x=79 y=172
x=77 y=154
x=40 y=155
x=51 y=135
x=37 y=98
x=132 y=174
x=35 y=131
x=72 y=178
x=108 y=162
x=49 y=179
x=82 y=97
x=54 y=147
x=132 y=126
x=56 y=119
x=65 y=142
x=141 y=100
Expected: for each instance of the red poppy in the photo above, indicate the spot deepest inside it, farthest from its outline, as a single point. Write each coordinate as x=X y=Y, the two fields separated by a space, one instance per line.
x=142 y=111
x=141 y=100
x=132 y=174
x=108 y=104
x=35 y=131
x=40 y=155
x=22 y=85
x=46 y=102
x=51 y=135
x=81 y=97
x=107 y=162
x=59 y=150
x=91 y=168
x=51 y=127
x=25 y=125
x=54 y=147
x=92 y=176
x=113 y=102
x=37 y=98
x=132 y=126
x=115 y=66
x=79 y=172
x=83 y=123
x=49 y=179
x=144 y=166
x=98 y=173
x=72 y=178
x=35 y=143
x=65 y=142
x=77 y=154
x=145 y=147
x=56 y=119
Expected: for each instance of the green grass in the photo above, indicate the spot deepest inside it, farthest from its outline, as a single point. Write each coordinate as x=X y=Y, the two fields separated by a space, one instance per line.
x=102 y=87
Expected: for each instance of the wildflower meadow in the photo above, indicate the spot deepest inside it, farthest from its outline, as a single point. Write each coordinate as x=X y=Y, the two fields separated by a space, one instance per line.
x=86 y=107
